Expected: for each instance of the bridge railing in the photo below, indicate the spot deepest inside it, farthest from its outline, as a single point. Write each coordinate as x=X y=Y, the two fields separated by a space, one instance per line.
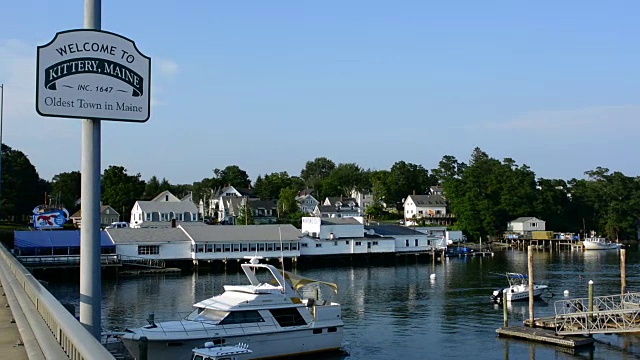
x=611 y=314
x=58 y=333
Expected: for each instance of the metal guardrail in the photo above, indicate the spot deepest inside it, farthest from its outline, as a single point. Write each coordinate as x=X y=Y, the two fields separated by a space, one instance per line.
x=140 y=261
x=611 y=314
x=64 y=260
x=57 y=332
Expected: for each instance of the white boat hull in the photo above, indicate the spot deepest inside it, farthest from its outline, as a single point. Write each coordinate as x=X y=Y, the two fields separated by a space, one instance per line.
x=263 y=345
x=518 y=293
x=599 y=245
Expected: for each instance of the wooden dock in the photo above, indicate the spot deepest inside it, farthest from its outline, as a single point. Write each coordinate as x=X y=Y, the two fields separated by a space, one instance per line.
x=544 y=336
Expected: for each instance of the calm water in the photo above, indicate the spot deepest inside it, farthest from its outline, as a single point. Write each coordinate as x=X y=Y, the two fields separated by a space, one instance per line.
x=396 y=311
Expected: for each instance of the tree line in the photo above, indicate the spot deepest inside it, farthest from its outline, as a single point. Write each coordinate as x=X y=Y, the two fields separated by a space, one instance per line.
x=484 y=193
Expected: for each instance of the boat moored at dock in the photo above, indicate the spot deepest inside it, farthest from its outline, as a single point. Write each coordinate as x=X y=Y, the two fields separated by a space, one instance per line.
x=269 y=315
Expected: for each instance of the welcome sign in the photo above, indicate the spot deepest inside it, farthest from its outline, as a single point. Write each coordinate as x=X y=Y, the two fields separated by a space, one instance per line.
x=93 y=74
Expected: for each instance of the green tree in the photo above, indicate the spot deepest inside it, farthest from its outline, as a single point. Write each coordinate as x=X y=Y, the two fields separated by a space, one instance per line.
x=67 y=186
x=315 y=172
x=22 y=188
x=245 y=215
x=347 y=178
x=271 y=185
x=121 y=190
x=287 y=203
x=234 y=176
x=405 y=179
x=152 y=188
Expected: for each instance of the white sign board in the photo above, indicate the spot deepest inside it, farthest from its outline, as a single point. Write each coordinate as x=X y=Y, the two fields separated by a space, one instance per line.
x=93 y=74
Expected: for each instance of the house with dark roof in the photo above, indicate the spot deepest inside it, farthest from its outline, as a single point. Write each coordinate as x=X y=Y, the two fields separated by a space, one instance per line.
x=426 y=208
x=262 y=211
x=108 y=215
x=162 y=211
x=336 y=207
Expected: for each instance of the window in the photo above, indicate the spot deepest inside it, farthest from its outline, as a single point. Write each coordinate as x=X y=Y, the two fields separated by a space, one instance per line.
x=252 y=247
x=358 y=243
x=347 y=242
x=199 y=248
x=242 y=317
x=149 y=250
x=277 y=246
x=227 y=247
x=260 y=247
x=209 y=247
x=217 y=248
x=288 y=317
x=285 y=246
x=416 y=242
x=318 y=245
x=375 y=243
x=270 y=247
x=304 y=245
x=236 y=247
x=245 y=247
x=294 y=246
x=317 y=331
x=332 y=329
x=406 y=242
x=335 y=243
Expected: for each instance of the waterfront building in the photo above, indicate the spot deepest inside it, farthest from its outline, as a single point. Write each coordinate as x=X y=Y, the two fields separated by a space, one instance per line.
x=162 y=211
x=108 y=215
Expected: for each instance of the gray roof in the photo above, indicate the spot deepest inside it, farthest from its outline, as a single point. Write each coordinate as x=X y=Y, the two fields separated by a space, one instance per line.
x=340 y=221
x=168 y=206
x=132 y=236
x=522 y=219
x=344 y=201
x=391 y=230
x=262 y=204
x=429 y=200
x=220 y=233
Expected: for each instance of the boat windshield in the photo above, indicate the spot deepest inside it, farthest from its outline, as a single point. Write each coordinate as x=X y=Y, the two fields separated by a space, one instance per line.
x=207 y=315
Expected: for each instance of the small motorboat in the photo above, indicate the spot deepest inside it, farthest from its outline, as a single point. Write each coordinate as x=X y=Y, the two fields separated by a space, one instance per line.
x=518 y=289
x=211 y=351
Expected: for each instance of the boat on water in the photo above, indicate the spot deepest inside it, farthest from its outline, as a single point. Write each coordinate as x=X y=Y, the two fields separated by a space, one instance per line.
x=270 y=315
x=595 y=242
x=518 y=289
x=211 y=351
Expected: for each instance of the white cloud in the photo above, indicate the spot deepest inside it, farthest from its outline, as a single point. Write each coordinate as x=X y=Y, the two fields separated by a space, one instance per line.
x=165 y=66
x=596 y=118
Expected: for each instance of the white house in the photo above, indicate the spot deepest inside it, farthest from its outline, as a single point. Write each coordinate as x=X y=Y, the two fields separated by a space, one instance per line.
x=157 y=244
x=161 y=210
x=424 y=207
x=363 y=199
x=523 y=225
x=220 y=242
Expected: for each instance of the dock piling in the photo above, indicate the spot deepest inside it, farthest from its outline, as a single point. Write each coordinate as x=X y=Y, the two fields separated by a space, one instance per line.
x=590 y=300
x=505 y=313
x=530 y=265
x=623 y=271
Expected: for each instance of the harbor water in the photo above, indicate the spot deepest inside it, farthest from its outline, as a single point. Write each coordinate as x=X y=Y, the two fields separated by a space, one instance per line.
x=399 y=310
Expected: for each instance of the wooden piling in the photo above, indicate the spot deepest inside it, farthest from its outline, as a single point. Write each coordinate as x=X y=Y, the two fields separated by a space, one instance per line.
x=530 y=263
x=623 y=271
x=591 y=300
x=505 y=313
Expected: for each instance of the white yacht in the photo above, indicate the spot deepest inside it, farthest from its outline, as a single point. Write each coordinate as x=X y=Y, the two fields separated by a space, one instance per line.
x=518 y=289
x=269 y=316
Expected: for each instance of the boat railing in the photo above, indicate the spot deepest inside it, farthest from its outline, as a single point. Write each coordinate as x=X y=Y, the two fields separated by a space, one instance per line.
x=208 y=330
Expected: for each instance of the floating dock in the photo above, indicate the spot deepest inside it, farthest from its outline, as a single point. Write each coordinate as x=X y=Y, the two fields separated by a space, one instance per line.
x=544 y=336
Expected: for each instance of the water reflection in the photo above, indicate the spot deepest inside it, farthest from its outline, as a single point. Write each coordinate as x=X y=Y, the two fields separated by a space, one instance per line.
x=398 y=311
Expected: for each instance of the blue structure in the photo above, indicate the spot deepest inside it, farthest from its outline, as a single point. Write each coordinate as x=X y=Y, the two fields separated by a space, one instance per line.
x=55 y=242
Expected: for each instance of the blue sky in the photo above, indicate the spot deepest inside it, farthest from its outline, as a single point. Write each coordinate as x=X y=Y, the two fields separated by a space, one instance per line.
x=270 y=85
